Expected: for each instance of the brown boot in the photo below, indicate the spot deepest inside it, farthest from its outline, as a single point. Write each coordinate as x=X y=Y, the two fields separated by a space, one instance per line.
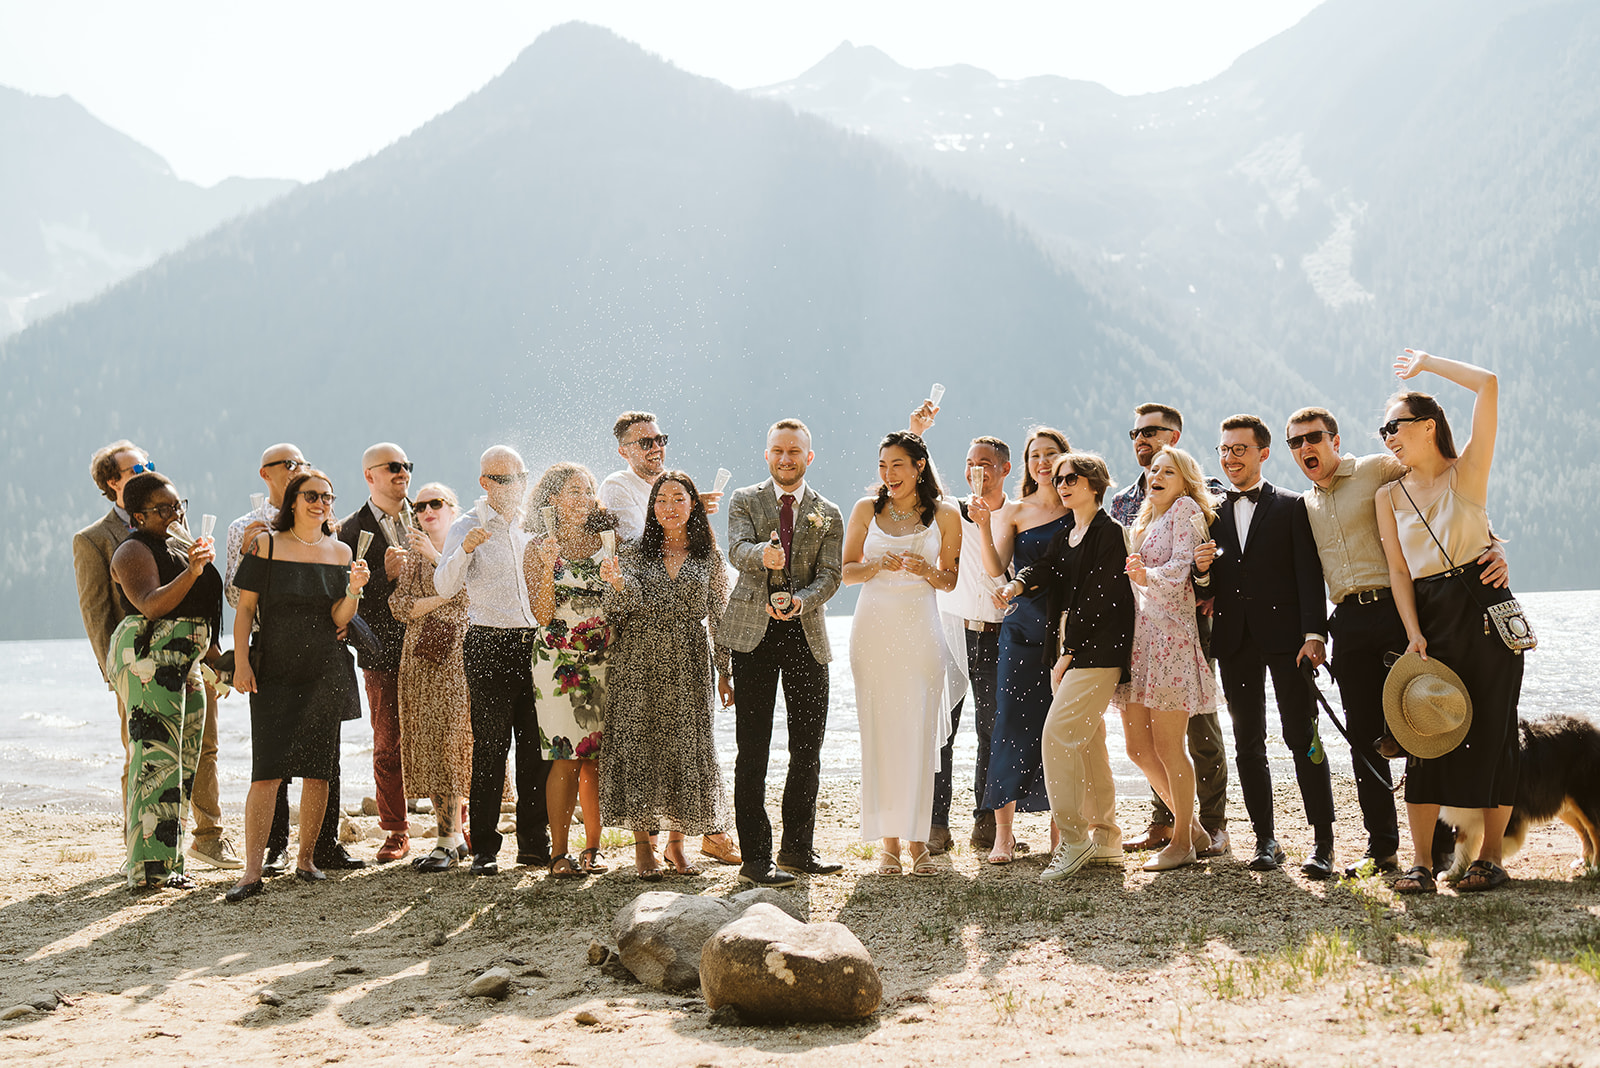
x=1156 y=836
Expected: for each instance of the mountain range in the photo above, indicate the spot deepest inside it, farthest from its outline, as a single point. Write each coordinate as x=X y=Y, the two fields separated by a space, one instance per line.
x=596 y=230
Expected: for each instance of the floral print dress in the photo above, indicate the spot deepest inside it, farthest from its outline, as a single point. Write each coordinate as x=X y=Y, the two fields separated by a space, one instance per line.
x=569 y=663
x=1169 y=670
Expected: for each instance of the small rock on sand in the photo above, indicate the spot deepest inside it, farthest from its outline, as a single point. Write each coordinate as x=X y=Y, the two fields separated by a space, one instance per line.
x=494 y=983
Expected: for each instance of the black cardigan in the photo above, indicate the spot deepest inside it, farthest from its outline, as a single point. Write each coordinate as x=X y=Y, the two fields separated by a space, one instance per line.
x=1093 y=590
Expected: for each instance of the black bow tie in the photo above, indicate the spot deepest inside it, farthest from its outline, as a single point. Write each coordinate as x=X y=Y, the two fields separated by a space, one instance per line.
x=1251 y=495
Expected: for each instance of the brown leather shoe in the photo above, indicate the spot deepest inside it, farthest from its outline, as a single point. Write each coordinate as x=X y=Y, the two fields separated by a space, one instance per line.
x=939 y=841
x=394 y=847
x=1220 y=846
x=720 y=848
x=1156 y=836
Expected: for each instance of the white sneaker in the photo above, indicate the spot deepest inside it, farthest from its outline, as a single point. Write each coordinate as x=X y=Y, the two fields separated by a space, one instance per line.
x=1068 y=858
x=1110 y=855
x=216 y=852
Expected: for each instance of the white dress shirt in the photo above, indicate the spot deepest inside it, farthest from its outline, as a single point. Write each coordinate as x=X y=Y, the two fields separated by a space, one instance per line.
x=497 y=589
x=1244 y=510
x=626 y=495
x=970 y=599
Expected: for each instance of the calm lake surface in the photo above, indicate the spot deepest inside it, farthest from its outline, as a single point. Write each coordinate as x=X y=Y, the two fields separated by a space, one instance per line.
x=59 y=741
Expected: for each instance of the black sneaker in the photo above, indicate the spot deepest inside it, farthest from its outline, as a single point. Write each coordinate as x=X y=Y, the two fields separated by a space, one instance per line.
x=767 y=876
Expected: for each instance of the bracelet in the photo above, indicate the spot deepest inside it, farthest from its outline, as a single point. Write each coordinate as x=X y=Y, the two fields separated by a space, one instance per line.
x=353 y=594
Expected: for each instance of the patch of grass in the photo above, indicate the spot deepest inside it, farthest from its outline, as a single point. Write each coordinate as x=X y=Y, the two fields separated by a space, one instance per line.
x=74 y=855
x=930 y=931
x=1587 y=960
x=862 y=850
x=1300 y=965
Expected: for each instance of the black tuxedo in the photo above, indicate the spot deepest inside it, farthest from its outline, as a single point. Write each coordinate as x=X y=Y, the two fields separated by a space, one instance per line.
x=1269 y=596
x=390 y=632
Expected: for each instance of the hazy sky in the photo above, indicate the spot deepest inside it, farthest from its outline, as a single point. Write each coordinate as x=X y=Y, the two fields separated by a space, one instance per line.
x=296 y=88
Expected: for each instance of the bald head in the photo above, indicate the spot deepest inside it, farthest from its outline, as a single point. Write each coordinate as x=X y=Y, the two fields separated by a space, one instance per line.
x=388 y=473
x=381 y=453
x=501 y=460
x=503 y=477
x=278 y=465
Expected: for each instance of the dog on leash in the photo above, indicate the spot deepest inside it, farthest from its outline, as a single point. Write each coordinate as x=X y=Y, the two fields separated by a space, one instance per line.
x=1559 y=778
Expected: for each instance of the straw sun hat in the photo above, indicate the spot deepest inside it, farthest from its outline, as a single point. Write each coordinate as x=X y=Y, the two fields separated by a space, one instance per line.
x=1426 y=706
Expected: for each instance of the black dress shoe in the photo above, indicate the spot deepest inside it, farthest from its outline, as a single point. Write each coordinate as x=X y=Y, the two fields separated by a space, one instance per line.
x=767 y=876
x=534 y=860
x=809 y=864
x=315 y=875
x=277 y=863
x=1269 y=856
x=340 y=860
x=1320 y=865
x=485 y=865
x=441 y=859
x=244 y=890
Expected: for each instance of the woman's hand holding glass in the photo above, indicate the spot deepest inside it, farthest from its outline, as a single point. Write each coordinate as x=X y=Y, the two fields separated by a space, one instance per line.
x=611 y=572
x=359 y=574
x=547 y=551
x=1135 y=569
x=201 y=553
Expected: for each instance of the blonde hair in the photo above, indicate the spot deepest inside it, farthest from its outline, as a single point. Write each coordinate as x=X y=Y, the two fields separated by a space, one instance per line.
x=447 y=494
x=1194 y=487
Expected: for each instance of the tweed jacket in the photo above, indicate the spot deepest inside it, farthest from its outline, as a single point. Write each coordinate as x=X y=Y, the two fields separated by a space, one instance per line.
x=815 y=566
x=99 y=598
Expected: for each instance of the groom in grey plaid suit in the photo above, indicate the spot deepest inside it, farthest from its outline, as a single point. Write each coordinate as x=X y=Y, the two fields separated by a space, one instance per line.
x=768 y=644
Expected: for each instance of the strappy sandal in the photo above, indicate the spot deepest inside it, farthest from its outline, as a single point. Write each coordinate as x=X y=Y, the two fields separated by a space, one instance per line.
x=922 y=864
x=684 y=868
x=592 y=861
x=888 y=864
x=1421 y=880
x=1489 y=876
x=571 y=871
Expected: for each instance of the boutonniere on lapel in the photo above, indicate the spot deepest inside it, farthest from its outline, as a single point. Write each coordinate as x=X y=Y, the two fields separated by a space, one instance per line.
x=819 y=520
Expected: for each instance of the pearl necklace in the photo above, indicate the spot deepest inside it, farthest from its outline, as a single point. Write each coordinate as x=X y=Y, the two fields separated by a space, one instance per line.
x=321 y=537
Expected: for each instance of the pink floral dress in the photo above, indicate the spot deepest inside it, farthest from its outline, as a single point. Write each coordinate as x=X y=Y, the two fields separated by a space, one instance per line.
x=1169 y=671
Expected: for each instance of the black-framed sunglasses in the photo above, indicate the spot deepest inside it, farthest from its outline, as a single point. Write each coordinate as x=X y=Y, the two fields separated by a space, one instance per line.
x=1392 y=427
x=395 y=466
x=435 y=503
x=649 y=443
x=166 y=511
x=138 y=469
x=1310 y=437
x=506 y=480
x=1235 y=451
x=312 y=497
x=1147 y=432
x=290 y=466
x=1067 y=480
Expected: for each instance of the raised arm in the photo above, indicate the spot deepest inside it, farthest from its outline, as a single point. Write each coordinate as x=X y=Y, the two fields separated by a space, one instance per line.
x=134 y=569
x=1472 y=471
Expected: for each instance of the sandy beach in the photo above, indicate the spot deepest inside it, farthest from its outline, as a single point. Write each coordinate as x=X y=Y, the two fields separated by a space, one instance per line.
x=1213 y=964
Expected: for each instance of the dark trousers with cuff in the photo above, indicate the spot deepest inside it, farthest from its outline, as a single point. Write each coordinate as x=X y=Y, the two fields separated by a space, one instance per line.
x=983 y=668
x=783 y=655
x=1363 y=634
x=499 y=672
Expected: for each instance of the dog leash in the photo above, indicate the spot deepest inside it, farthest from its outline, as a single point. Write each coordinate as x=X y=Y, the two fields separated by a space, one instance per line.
x=1309 y=670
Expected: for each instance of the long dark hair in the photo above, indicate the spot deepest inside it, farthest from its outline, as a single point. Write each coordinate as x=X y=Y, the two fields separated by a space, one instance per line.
x=928 y=489
x=702 y=542
x=1029 y=483
x=291 y=499
x=1423 y=406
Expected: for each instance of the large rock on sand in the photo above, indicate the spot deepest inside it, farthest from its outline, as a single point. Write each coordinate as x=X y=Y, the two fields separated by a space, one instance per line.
x=771 y=966
x=659 y=933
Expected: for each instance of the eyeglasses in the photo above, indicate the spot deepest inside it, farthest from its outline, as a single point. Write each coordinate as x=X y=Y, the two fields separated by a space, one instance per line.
x=1392 y=427
x=1310 y=437
x=395 y=466
x=138 y=469
x=1147 y=432
x=1236 y=451
x=436 y=503
x=290 y=466
x=649 y=443
x=1069 y=480
x=312 y=497
x=166 y=511
x=506 y=480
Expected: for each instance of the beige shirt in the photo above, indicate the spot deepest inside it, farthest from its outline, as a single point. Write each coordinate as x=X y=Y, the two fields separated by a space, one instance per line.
x=1344 y=521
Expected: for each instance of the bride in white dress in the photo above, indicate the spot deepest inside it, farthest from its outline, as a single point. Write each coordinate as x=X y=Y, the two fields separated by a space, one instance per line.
x=901 y=545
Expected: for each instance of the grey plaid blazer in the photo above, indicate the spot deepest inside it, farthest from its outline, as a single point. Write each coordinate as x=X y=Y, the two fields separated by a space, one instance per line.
x=815 y=565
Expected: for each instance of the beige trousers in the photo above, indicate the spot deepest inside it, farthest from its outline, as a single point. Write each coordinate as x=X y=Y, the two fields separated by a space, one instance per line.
x=204 y=796
x=1077 y=768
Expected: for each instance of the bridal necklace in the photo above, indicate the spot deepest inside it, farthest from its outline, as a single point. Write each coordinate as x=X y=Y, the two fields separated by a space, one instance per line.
x=897 y=516
x=313 y=544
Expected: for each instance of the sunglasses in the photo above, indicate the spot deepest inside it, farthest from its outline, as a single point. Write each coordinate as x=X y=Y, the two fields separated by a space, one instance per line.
x=1068 y=480
x=312 y=497
x=1310 y=437
x=649 y=443
x=1392 y=427
x=138 y=469
x=166 y=511
x=1235 y=451
x=1147 y=432
x=436 y=503
x=395 y=466
x=290 y=466
x=506 y=480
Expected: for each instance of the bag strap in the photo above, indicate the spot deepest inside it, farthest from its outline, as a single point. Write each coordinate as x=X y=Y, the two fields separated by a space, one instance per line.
x=1447 y=559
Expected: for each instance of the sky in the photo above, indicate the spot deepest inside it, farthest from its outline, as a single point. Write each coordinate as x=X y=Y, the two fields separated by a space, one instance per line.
x=294 y=89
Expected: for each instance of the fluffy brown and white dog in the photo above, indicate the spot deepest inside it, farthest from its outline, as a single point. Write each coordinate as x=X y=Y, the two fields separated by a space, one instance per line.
x=1559 y=778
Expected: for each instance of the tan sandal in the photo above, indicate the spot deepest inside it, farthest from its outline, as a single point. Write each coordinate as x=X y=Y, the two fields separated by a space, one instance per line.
x=922 y=864
x=888 y=863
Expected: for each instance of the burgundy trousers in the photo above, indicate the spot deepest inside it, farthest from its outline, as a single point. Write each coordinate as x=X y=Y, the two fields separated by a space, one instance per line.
x=383 y=698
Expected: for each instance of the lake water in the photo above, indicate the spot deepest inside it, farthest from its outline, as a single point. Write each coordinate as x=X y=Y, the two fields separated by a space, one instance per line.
x=60 y=747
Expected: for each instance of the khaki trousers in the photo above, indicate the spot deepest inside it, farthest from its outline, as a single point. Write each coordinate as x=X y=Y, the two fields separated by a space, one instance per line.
x=204 y=795
x=1077 y=768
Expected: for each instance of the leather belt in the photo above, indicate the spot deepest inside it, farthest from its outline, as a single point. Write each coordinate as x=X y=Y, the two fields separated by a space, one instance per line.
x=980 y=626
x=1382 y=593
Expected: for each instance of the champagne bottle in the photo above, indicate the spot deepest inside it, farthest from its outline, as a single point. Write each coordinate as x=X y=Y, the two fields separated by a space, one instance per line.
x=779 y=595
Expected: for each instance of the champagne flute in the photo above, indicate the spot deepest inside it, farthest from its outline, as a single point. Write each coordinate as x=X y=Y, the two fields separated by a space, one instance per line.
x=723 y=474
x=547 y=514
x=608 y=541
x=936 y=394
x=258 y=504
x=363 y=543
